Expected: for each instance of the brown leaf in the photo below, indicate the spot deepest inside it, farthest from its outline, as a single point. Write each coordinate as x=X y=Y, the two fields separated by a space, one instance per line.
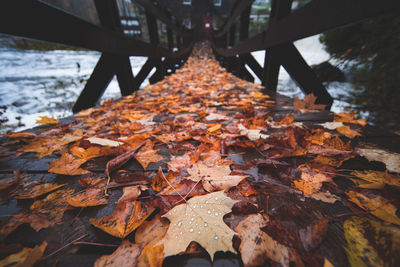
x=151 y=230
x=160 y=181
x=390 y=159
x=311 y=180
x=20 y=135
x=67 y=165
x=312 y=235
x=349 y=118
x=147 y=155
x=88 y=198
x=46 y=120
x=27 y=257
x=376 y=205
x=375 y=179
x=257 y=246
x=200 y=219
x=307 y=104
x=131 y=193
x=120 y=160
x=289 y=118
x=126 y=218
x=346 y=131
x=33 y=190
x=126 y=255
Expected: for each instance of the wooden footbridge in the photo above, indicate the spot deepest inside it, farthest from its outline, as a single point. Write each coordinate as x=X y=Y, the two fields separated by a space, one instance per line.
x=202 y=160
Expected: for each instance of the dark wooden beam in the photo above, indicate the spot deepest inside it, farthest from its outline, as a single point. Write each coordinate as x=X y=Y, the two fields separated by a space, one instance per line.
x=253 y=64
x=279 y=9
x=316 y=17
x=97 y=83
x=143 y=73
x=38 y=20
x=238 y=9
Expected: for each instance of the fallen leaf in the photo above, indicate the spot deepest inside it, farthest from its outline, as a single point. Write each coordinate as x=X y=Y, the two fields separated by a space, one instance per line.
x=90 y=153
x=371 y=243
x=200 y=219
x=151 y=230
x=289 y=118
x=27 y=257
x=160 y=181
x=120 y=160
x=256 y=246
x=104 y=142
x=46 y=120
x=214 y=178
x=375 y=179
x=19 y=135
x=179 y=162
x=147 y=155
x=84 y=113
x=311 y=180
x=349 y=118
x=126 y=218
x=152 y=255
x=332 y=125
x=326 y=197
x=125 y=255
x=34 y=190
x=131 y=193
x=346 y=131
x=307 y=104
x=252 y=134
x=390 y=159
x=88 y=198
x=49 y=211
x=312 y=235
x=67 y=165
x=376 y=205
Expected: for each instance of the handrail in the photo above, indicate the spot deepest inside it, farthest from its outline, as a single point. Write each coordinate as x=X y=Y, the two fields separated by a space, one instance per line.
x=316 y=17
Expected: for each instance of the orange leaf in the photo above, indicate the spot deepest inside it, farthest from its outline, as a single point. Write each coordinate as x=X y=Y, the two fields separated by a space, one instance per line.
x=346 y=131
x=67 y=165
x=46 y=120
x=89 y=197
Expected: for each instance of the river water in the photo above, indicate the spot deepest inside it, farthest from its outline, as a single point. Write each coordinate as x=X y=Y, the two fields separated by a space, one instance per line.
x=36 y=83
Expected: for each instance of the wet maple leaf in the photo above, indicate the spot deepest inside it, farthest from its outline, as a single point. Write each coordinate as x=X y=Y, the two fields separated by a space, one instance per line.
x=89 y=153
x=67 y=165
x=307 y=104
x=200 y=219
x=89 y=197
x=34 y=189
x=375 y=179
x=147 y=155
x=346 y=131
x=125 y=219
x=311 y=180
x=257 y=247
x=318 y=136
x=27 y=257
x=214 y=178
x=46 y=120
x=376 y=205
x=125 y=255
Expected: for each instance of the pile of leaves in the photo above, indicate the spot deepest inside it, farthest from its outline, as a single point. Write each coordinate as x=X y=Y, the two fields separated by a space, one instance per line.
x=219 y=171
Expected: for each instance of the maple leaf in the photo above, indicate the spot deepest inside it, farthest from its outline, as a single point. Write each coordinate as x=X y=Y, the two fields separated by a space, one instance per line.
x=90 y=153
x=125 y=219
x=214 y=178
x=390 y=159
x=307 y=104
x=376 y=205
x=285 y=120
x=67 y=165
x=27 y=257
x=200 y=219
x=349 y=118
x=147 y=155
x=46 y=120
x=89 y=197
x=125 y=255
x=257 y=246
x=311 y=180
x=20 y=135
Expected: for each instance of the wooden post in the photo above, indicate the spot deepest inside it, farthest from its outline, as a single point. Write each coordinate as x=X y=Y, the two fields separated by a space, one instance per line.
x=154 y=39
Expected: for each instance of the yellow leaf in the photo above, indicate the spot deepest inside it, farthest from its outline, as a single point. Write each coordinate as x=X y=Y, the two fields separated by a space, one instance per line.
x=27 y=257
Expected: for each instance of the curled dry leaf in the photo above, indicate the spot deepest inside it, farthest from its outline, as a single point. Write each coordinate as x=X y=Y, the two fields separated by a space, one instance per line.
x=200 y=219
x=257 y=247
x=214 y=178
x=131 y=193
x=67 y=165
x=369 y=243
x=126 y=218
x=27 y=257
x=160 y=181
x=390 y=159
x=120 y=160
x=104 y=142
x=88 y=198
x=376 y=205
x=126 y=255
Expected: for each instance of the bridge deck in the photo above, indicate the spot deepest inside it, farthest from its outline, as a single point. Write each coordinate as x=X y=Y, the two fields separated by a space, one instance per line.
x=300 y=176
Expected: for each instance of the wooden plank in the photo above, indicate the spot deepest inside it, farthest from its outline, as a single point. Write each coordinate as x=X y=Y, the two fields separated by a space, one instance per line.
x=311 y=19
